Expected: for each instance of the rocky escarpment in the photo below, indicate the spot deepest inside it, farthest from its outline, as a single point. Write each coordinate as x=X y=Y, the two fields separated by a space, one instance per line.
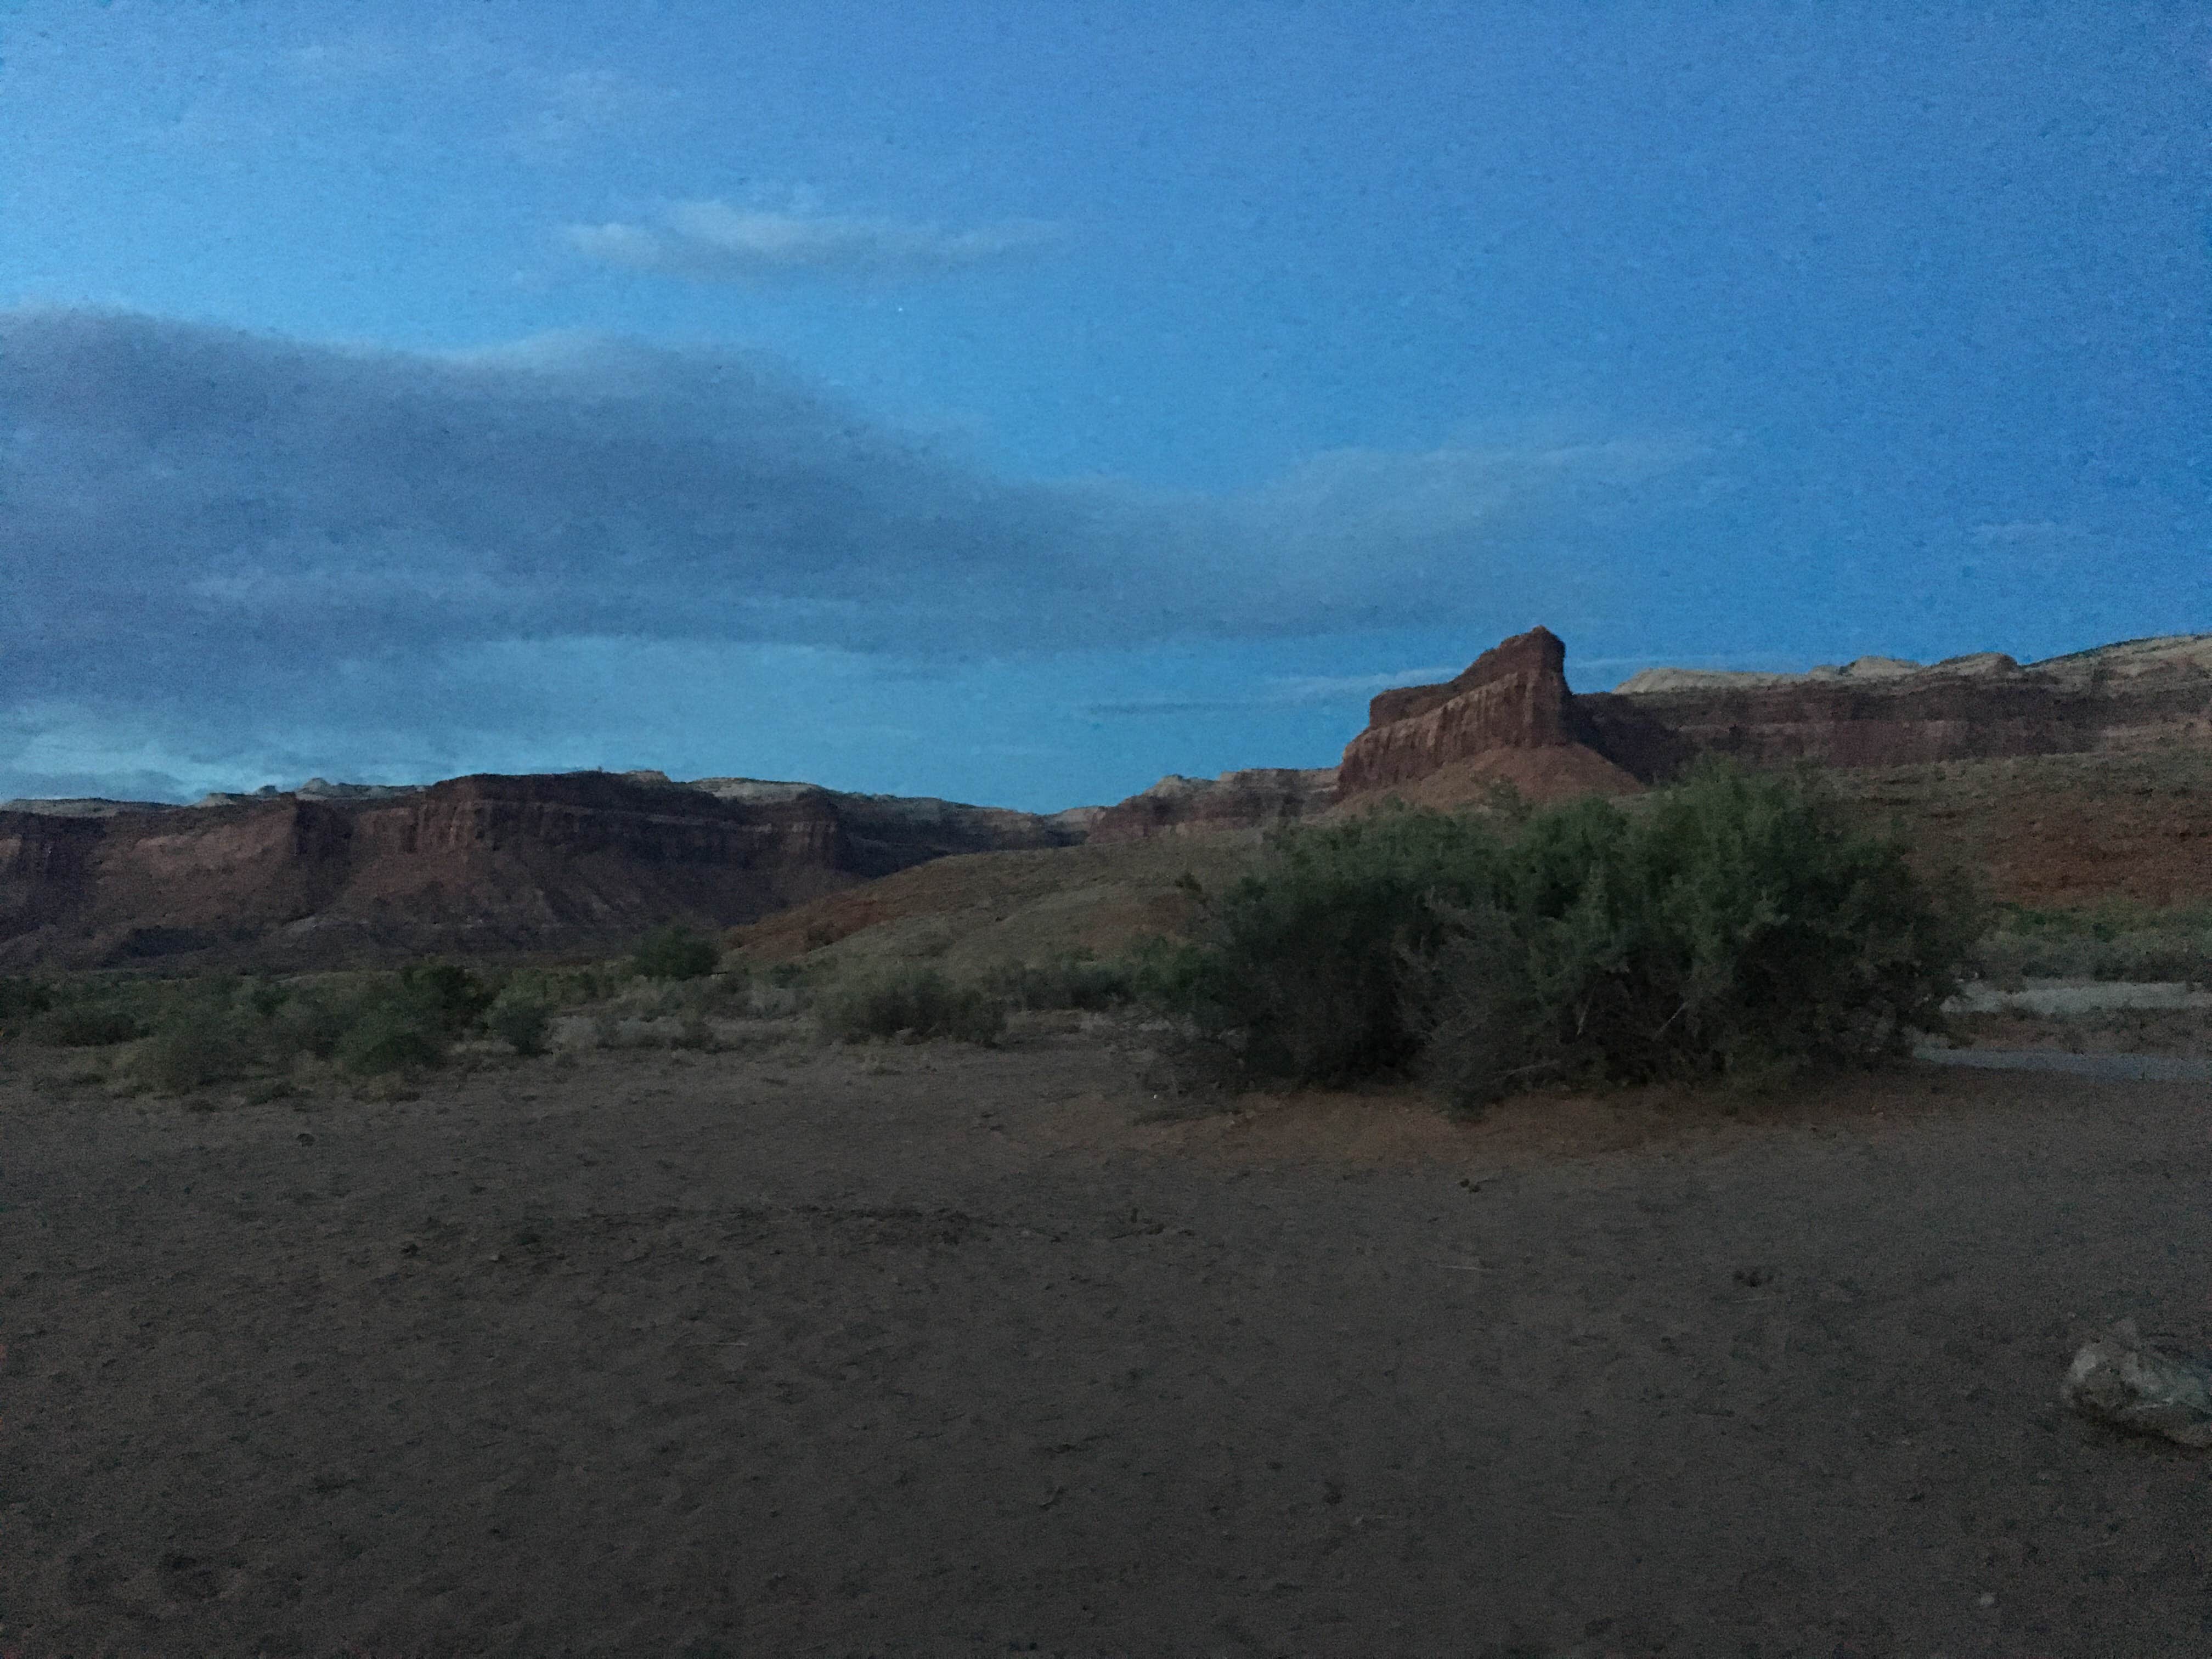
x=1511 y=718
x=1881 y=711
x=1508 y=718
x=1177 y=805
x=577 y=861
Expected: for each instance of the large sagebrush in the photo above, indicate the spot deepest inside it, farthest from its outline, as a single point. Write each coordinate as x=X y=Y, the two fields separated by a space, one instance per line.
x=1731 y=924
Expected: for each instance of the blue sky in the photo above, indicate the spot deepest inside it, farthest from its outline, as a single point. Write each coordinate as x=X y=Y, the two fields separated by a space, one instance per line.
x=1018 y=403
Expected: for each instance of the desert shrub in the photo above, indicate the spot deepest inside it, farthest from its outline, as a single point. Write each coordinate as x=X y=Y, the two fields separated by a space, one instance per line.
x=1076 y=980
x=391 y=1033
x=86 y=1025
x=1734 y=927
x=2116 y=940
x=262 y=997
x=1168 y=974
x=22 y=997
x=446 y=994
x=921 y=1000
x=192 y=1047
x=522 y=1020
x=675 y=952
x=1303 y=956
x=312 y=1019
x=1730 y=924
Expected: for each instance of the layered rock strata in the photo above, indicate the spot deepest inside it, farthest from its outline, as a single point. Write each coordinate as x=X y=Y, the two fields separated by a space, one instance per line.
x=571 y=862
x=1508 y=718
x=1177 y=805
x=1884 y=712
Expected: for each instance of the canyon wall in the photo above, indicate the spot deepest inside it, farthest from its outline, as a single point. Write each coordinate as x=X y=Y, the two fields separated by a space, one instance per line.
x=1510 y=719
x=1177 y=805
x=581 y=861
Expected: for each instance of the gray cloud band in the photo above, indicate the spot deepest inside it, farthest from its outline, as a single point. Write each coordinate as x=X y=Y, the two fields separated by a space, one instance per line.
x=181 y=504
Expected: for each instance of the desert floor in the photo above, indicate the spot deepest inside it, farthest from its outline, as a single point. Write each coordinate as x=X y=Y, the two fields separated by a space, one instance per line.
x=938 y=1351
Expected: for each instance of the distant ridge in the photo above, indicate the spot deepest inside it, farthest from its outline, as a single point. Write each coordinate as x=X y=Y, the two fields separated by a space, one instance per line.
x=337 y=874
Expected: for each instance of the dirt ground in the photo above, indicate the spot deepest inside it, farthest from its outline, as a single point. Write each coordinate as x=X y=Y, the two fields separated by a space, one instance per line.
x=930 y=1350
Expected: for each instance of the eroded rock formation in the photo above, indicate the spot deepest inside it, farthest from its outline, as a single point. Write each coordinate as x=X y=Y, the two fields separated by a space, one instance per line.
x=576 y=861
x=1885 y=712
x=1508 y=718
x=1177 y=805
x=1511 y=718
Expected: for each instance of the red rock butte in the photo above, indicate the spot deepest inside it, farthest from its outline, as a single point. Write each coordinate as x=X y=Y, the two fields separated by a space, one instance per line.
x=330 y=875
x=1510 y=718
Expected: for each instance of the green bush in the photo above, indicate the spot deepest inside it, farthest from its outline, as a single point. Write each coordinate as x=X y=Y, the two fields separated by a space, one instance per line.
x=2116 y=940
x=1728 y=926
x=919 y=1001
x=191 y=1047
x=446 y=994
x=1302 y=958
x=312 y=1019
x=522 y=1021
x=676 y=952
x=20 y=998
x=1168 y=974
x=390 y=1034
x=1074 y=981
x=85 y=1026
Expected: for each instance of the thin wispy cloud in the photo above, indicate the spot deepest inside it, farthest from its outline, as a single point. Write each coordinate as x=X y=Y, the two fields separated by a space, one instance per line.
x=577 y=107
x=1277 y=692
x=711 y=241
x=1332 y=688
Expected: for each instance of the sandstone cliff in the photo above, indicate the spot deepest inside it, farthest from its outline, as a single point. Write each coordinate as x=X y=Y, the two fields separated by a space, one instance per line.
x=1885 y=712
x=581 y=862
x=1177 y=805
x=1508 y=718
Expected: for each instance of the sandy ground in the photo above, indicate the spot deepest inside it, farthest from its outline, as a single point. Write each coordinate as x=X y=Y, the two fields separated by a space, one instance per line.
x=936 y=1352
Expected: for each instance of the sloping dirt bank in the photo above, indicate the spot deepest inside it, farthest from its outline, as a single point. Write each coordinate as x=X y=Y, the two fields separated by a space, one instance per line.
x=935 y=1352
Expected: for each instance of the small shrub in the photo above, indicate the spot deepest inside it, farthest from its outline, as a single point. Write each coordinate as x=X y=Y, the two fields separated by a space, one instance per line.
x=676 y=952
x=1168 y=974
x=919 y=1001
x=20 y=998
x=193 y=1047
x=390 y=1034
x=2111 y=941
x=1074 y=981
x=524 y=1022
x=312 y=1020
x=446 y=994
x=85 y=1026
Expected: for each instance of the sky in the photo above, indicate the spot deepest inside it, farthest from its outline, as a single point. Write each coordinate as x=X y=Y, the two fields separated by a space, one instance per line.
x=1017 y=403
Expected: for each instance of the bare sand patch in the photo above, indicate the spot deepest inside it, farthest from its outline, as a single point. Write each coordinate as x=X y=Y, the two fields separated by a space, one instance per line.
x=935 y=1351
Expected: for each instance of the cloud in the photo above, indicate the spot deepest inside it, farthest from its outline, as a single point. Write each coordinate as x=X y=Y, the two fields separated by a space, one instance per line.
x=713 y=242
x=1329 y=688
x=199 y=525
x=1165 y=709
x=363 y=56
x=578 y=105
